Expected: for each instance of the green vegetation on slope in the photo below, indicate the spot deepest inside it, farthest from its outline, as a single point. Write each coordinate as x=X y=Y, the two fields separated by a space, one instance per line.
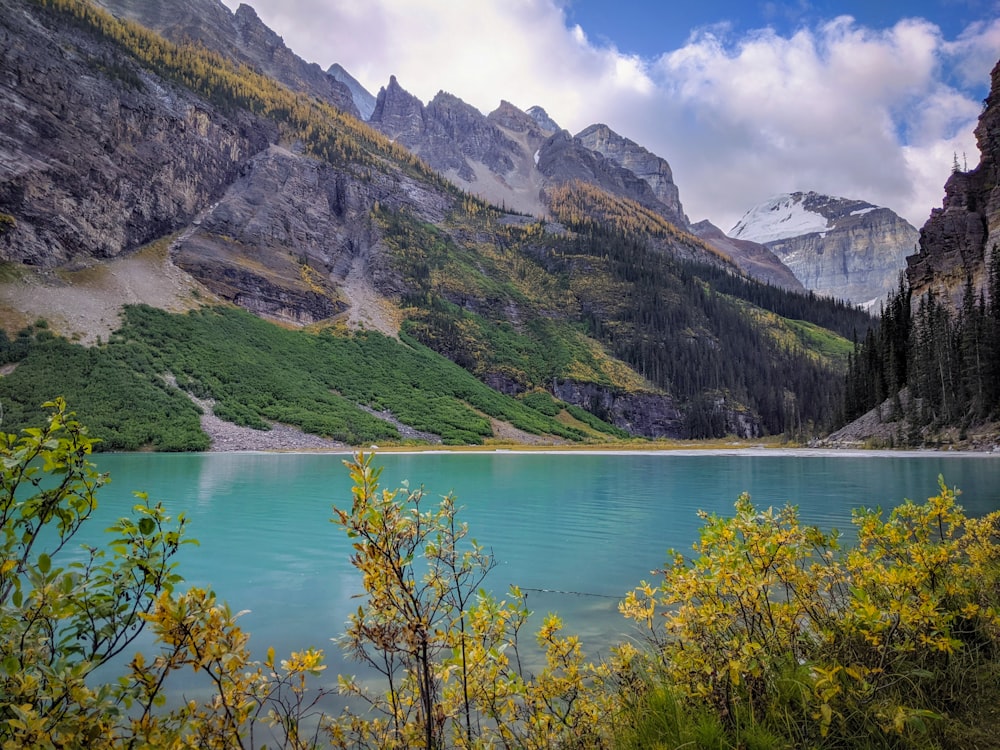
x=257 y=372
x=697 y=332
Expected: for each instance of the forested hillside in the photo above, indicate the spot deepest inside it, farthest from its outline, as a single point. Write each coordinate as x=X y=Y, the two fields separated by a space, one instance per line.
x=937 y=366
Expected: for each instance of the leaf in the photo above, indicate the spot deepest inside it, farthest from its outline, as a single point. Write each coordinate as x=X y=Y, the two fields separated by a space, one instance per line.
x=146 y=525
x=44 y=563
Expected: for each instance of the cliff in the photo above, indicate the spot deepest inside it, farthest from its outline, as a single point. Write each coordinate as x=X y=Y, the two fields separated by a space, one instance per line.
x=959 y=239
x=97 y=155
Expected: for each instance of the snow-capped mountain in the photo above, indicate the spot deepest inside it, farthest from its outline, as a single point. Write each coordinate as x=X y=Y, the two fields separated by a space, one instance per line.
x=783 y=216
x=840 y=247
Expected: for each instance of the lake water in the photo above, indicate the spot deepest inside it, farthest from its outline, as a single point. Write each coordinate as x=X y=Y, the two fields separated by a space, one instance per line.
x=591 y=524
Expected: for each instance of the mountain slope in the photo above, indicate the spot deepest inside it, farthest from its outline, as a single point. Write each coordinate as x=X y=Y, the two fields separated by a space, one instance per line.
x=239 y=36
x=752 y=257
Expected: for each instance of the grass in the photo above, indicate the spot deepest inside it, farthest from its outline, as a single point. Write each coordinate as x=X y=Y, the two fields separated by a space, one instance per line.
x=258 y=373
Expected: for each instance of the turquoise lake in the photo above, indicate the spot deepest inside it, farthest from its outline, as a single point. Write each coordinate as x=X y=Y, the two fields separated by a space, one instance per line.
x=591 y=524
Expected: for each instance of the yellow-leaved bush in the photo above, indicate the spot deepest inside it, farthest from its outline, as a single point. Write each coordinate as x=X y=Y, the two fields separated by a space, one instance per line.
x=775 y=625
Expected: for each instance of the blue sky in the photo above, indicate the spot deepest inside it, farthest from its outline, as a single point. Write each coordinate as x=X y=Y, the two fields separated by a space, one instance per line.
x=650 y=28
x=746 y=100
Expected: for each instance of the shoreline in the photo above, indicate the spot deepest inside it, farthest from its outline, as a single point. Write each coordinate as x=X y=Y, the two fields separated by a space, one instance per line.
x=227 y=437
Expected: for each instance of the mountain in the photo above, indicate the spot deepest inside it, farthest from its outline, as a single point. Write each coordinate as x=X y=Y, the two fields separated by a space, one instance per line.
x=509 y=158
x=133 y=170
x=546 y=123
x=363 y=99
x=647 y=166
x=753 y=258
x=239 y=36
x=840 y=247
x=959 y=239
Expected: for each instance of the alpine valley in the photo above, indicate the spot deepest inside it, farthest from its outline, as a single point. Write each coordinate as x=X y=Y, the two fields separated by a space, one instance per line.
x=198 y=225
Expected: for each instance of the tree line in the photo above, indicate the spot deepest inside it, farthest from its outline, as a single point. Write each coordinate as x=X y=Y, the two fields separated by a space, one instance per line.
x=937 y=365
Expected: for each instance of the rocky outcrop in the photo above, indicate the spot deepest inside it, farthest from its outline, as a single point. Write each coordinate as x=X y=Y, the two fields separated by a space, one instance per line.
x=645 y=165
x=563 y=158
x=240 y=36
x=838 y=247
x=959 y=239
x=97 y=156
x=362 y=98
x=651 y=415
x=450 y=135
x=546 y=123
x=754 y=259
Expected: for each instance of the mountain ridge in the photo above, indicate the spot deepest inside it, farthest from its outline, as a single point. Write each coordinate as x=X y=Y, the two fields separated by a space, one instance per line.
x=605 y=308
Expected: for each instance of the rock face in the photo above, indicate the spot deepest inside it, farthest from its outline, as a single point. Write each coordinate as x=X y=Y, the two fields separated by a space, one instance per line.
x=94 y=164
x=450 y=135
x=511 y=156
x=839 y=247
x=545 y=122
x=959 y=239
x=492 y=157
x=92 y=167
x=563 y=158
x=363 y=98
x=644 y=164
x=754 y=259
x=239 y=36
x=649 y=414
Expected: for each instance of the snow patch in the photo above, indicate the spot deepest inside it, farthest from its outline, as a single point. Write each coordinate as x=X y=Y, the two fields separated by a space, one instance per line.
x=779 y=218
x=863 y=211
x=537 y=153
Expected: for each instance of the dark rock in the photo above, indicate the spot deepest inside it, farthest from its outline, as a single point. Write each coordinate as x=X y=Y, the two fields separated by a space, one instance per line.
x=97 y=156
x=651 y=415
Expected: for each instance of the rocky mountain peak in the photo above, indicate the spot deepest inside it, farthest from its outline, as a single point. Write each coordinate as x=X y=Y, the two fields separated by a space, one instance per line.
x=450 y=135
x=840 y=247
x=957 y=241
x=545 y=122
x=363 y=99
x=512 y=118
x=397 y=112
x=654 y=170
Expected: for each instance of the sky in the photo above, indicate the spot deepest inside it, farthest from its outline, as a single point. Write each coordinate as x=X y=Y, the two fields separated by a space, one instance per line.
x=865 y=99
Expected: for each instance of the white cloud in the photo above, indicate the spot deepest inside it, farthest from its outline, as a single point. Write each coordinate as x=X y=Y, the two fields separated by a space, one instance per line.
x=840 y=108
